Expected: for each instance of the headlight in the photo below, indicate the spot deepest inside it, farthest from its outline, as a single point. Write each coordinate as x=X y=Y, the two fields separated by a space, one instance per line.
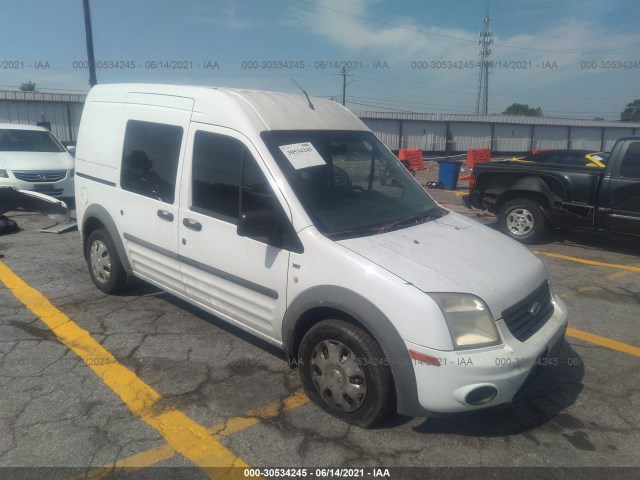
x=71 y=173
x=469 y=320
x=3 y=173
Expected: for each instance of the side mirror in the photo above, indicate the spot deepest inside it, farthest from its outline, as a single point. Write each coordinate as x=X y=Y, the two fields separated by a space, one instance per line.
x=261 y=223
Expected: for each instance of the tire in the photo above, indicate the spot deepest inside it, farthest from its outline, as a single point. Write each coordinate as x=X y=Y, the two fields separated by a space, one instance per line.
x=346 y=373
x=104 y=263
x=523 y=220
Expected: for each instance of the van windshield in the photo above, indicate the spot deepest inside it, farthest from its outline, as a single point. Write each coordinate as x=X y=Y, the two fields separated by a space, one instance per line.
x=349 y=183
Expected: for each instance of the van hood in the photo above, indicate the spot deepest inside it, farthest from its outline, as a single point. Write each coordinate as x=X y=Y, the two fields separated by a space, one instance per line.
x=36 y=161
x=456 y=254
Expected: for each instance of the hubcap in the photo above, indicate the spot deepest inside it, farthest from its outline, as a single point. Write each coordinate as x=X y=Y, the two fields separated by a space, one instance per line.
x=100 y=261
x=337 y=377
x=520 y=221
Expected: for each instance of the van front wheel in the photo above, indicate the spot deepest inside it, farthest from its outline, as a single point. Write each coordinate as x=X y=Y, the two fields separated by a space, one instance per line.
x=105 y=267
x=346 y=373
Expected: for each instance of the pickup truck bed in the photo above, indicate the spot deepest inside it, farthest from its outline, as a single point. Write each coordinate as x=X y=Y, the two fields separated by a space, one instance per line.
x=529 y=197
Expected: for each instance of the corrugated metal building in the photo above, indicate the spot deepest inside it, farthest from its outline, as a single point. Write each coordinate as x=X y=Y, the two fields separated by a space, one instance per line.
x=427 y=131
x=501 y=133
x=61 y=110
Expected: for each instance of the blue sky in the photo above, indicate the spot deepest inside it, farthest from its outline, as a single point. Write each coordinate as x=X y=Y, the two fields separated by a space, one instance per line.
x=566 y=36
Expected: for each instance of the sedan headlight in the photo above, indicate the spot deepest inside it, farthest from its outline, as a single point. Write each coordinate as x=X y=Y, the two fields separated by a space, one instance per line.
x=470 y=322
x=3 y=173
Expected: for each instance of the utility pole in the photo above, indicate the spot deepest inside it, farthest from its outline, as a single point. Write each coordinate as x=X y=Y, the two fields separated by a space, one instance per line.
x=485 y=41
x=344 y=72
x=89 y=33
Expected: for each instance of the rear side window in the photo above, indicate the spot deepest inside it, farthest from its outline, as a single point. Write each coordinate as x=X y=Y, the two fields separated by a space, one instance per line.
x=630 y=167
x=150 y=159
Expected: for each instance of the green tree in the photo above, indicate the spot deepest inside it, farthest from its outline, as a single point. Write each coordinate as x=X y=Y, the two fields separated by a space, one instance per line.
x=632 y=112
x=28 y=86
x=523 y=109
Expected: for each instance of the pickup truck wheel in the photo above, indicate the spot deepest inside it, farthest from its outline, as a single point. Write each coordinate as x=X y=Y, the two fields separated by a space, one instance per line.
x=105 y=267
x=346 y=373
x=522 y=219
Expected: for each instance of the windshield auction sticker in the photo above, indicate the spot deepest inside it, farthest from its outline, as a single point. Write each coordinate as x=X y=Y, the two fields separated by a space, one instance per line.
x=302 y=155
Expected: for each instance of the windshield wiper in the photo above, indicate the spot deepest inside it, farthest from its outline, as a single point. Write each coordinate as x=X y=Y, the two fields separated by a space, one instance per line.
x=415 y=219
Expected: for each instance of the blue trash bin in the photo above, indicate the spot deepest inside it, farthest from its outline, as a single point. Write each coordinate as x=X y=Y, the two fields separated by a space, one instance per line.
x=448 y=172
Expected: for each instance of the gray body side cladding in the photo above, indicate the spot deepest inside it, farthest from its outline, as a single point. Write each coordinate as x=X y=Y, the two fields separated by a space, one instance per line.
x=328 y=296
x=100 y=213
x=368 y=315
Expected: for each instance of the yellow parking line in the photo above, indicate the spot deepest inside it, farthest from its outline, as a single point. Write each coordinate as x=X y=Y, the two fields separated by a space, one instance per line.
x=617 y=275
x=184 y=435
x=589 y=262
x=165 y=452
x=603 y=341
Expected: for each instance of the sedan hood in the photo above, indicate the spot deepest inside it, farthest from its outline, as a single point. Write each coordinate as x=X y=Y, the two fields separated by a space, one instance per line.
x=456 y=254
x=37 y=161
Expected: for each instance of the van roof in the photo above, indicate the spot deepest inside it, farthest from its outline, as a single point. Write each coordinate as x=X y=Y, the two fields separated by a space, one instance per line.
x=235 y=107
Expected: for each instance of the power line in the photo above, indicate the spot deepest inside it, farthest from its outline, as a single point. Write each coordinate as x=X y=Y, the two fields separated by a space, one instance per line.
x=448 y=108
x=453 y=37
x=410 y=103
x=380 y=106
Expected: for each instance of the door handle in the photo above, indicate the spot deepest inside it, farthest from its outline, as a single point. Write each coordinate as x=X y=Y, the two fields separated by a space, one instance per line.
x=164 y=215
x=192 y=224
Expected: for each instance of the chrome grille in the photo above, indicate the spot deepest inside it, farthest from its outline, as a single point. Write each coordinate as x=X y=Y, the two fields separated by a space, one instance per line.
x=528 y=316
x=43 y=176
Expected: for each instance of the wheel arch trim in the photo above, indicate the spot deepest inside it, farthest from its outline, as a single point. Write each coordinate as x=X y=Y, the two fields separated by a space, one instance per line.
x=99 y=213
x=528 y=185
x=373 y=320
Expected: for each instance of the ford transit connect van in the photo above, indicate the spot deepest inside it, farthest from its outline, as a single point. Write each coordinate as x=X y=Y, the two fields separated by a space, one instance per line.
x=270 y=211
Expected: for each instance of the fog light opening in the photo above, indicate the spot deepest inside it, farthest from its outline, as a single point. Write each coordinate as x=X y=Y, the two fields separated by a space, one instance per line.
x=481 y=395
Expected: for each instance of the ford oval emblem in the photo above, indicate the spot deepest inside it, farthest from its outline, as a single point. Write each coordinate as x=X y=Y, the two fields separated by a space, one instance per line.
x=535 y=309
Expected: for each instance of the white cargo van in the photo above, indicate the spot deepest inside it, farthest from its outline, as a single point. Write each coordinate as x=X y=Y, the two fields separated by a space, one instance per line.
x=288 y=218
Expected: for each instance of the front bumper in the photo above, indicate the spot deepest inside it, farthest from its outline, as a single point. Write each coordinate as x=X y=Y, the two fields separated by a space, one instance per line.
x=479 y=378
x=60 y=189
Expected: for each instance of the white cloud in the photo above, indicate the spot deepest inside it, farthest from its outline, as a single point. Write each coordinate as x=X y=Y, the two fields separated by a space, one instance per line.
x=228 y=18
x=356 y=34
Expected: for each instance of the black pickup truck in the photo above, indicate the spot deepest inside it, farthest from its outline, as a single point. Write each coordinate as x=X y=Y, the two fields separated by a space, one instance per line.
x=529 y=197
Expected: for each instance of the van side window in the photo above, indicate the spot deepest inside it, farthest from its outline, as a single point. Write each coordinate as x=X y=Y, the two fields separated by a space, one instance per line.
x=256 y=191
x=226 y=178
x=216 y=175
x=630 y=167
x=150 y=159
x=258 y=196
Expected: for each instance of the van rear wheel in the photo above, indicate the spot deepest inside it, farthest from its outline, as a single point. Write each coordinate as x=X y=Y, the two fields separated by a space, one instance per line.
x=105 y=267
x=346 y=373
